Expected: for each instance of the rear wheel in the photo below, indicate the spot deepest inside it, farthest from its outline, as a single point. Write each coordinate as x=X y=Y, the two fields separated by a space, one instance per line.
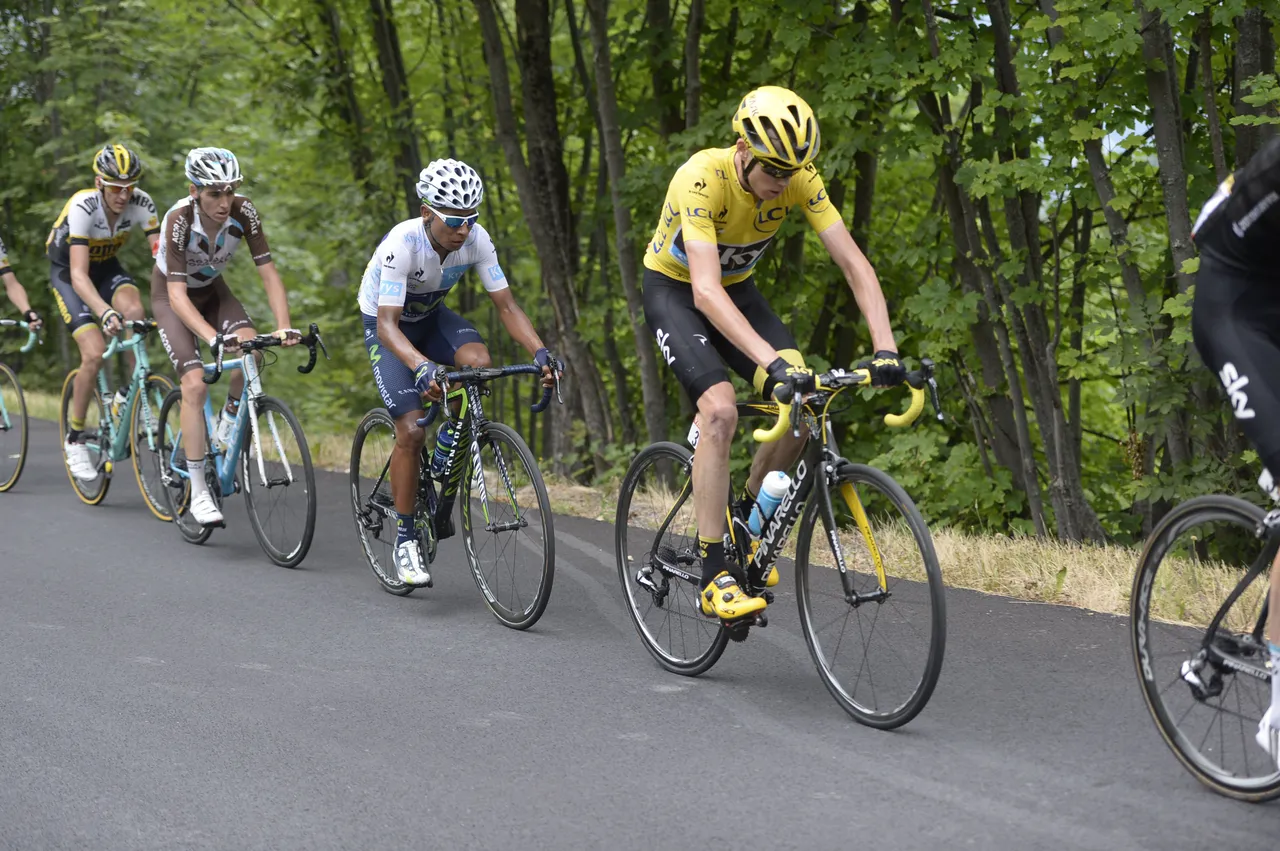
x=13 y=429
x=94 y=437
x=144 y=437
x=1206 y=691
x=281 y=505
x=655 y=529
x=371 y=502
x=173 y=457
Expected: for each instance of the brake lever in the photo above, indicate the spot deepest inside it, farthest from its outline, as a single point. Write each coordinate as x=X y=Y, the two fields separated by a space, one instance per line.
x=315 y=332
x=556 y=372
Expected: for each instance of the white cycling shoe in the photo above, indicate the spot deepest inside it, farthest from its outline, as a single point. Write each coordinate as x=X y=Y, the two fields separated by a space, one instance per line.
x=204 y=510
x=409 y=565
x=78 y=461
x=1268 y=737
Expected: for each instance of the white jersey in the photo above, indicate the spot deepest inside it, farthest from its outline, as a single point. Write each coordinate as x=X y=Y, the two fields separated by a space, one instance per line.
x=406 y=270
x=190 y=255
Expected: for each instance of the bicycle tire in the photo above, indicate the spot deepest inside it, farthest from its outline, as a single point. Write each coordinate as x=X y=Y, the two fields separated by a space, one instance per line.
x=1148 y=594
x=517 y=616
x=907 y=594
x=274 y=549
x=17 y=414
x=90 y=493
x=372 y=521
x=178 y=495
x=154 y=390
x=630 y=564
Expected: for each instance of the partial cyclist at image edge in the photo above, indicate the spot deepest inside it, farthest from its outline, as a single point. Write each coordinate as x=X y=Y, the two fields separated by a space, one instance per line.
x=722 y=209
x=94 y=294
x=1235 y=321
x=192 y=303
x=408 y=330
x=16 y=293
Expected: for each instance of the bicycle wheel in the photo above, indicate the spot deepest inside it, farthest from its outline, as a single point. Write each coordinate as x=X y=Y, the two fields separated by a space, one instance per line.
x=279 y=483
x=371 y=502
x=144 y=440
x=13 y=429
x=655 y=528
x=1206 y=693
x=95 y=439
x=507 y=527
x=881 y=653
x=177 y=491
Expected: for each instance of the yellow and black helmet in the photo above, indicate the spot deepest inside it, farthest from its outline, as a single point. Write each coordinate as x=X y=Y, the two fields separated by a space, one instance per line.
x=116 y=162
x=778 y=126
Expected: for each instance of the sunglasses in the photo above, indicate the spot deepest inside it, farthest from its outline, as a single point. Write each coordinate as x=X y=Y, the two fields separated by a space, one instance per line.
x=117 y=188
x=775 y=172
x=453 y=222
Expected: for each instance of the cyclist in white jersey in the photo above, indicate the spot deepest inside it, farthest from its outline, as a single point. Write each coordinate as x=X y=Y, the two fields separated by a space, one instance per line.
x=16 y=292
x=191 y=302
x=92 y=290
x=401 y=295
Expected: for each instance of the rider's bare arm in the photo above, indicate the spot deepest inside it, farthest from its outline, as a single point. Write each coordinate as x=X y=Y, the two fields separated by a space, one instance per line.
x=863 y=282
x=712 y=302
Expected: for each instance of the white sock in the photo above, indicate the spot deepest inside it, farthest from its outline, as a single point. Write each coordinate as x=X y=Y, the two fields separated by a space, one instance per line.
x=1275 y=684
x=195 y=469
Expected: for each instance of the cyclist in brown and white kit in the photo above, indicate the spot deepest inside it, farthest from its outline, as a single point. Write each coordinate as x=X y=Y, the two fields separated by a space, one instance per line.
x=191 y=302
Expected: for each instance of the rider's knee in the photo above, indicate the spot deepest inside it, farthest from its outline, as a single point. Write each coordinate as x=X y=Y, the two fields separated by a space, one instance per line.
x=193 y=387
x=475 y=356
x=409 y=435
x=717 y=417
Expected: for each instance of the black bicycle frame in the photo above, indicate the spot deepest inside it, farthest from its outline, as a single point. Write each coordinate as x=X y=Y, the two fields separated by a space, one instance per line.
x=1264 y=560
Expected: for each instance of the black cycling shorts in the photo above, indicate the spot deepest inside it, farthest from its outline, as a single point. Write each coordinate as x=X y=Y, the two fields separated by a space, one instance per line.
x=1236 y=325
x=695 y=350
x=107 y=277
x=438 y=336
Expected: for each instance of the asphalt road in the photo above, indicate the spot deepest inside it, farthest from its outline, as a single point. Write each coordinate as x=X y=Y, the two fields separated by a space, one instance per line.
x=154 y=694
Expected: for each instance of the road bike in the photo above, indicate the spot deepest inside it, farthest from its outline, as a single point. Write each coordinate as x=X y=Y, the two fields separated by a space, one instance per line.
x=267 y=456
x=507 y=527
x=867 y=577
x=13 y=414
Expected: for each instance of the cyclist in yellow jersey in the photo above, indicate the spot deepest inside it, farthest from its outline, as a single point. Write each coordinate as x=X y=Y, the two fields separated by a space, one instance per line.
x=15 y=291
x=722 y=209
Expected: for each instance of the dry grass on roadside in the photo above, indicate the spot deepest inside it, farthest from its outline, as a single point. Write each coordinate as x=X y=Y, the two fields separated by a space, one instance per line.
x=1090 y=577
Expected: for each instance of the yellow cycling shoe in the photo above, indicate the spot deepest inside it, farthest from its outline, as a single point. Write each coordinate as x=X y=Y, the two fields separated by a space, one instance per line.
x=723 y=598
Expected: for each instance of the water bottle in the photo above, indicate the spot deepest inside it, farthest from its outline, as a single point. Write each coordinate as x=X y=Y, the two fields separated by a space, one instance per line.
x=772 y=489
x=445 y=440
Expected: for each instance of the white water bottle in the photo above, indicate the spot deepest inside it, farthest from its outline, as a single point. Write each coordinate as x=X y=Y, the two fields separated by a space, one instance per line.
x=772 y=489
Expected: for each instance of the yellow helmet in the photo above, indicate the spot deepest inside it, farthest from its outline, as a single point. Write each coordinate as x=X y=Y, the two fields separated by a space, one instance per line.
x=116 y=162
x=778 y=126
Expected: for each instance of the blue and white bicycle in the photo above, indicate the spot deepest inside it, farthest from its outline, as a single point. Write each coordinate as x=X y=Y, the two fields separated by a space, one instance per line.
x=267 y=457
x=13 y=415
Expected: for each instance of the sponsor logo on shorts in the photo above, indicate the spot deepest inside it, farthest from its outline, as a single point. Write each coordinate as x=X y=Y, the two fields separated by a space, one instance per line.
x=1235 y=383
x=663 y=337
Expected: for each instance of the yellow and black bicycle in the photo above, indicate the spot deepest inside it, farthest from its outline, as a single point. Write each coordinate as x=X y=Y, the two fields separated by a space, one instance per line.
x=868 y=584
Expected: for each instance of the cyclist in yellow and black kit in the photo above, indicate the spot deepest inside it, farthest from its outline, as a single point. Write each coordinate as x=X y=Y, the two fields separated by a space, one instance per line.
x=16 y=292
x=722 y=209
x=92 y=290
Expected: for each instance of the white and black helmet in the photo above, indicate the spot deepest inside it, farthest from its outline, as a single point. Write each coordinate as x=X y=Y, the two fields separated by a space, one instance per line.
x=212 y=167
x=450 y=184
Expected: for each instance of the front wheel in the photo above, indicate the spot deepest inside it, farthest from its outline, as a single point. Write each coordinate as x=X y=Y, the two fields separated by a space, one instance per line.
x=95 y=437
x=877 y=626
x=1206 y=690
x=279 y=483
x=144 y=437
x=507 y=529
x=173 y=457
x=13 y=429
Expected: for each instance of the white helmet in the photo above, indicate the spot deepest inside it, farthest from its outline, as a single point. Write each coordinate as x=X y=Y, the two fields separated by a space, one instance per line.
x=212 y=166
x=451 y=184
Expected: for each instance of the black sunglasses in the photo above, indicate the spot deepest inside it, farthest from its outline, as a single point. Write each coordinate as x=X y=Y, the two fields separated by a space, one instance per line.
x=774 y=171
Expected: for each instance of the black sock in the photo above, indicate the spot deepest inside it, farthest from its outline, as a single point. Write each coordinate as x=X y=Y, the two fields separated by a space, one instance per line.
x=406 y=528
x=711 y=551
x=73 y=435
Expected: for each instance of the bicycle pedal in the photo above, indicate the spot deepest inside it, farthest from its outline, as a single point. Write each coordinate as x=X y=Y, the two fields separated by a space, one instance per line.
x=767 y=596
x=762 y=620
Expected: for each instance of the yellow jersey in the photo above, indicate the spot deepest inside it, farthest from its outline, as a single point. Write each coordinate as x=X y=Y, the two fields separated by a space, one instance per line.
x=706 y=203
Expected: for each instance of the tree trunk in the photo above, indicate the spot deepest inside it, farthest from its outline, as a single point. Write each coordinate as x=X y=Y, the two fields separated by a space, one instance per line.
x=1162 y=89
x=343 y=94
x=692 y=63
x=543 y=187
x=661 y=70
x=654 y=396
x=396 y=85
x=1255 y=52
x=1204 y=34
